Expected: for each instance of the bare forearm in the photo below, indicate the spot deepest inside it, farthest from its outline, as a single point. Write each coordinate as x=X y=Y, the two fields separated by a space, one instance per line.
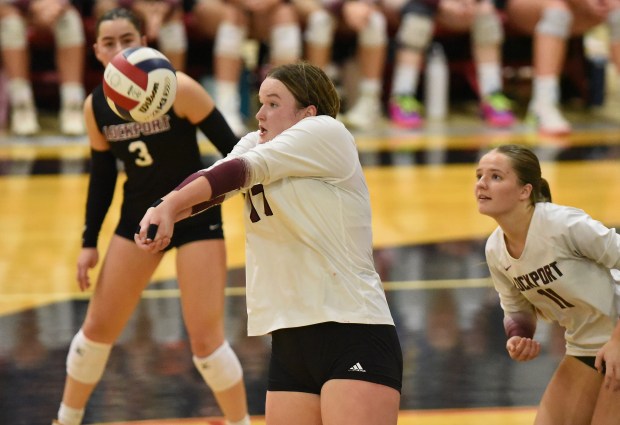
x=183 y=199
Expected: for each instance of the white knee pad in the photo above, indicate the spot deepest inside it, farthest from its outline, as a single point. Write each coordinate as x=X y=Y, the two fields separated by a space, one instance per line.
x=221 y=370
x=285 y=43
x=613 y=23
x=555 y=22
x=172 y=37
x=415 y=31
x=87 y=359
x=320 y=28
x=375 y=33
x=487 y=30
x=229 y=40
x=12 y=33
x=69 y=30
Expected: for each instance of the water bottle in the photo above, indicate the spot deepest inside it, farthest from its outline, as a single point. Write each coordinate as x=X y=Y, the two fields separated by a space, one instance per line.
x=436 y=83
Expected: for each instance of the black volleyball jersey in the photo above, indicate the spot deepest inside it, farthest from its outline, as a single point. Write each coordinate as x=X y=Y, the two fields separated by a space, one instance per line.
x=157 y=155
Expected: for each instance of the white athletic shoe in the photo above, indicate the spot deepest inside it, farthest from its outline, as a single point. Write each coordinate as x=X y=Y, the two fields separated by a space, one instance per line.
x=365 y=114
x=72 y=120
x=548 y=119
x=24 y=120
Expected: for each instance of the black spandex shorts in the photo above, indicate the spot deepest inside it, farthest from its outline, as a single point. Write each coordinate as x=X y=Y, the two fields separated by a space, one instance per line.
x=589 y=360
x=305 y=358
x=203 y=226
x=429 y=7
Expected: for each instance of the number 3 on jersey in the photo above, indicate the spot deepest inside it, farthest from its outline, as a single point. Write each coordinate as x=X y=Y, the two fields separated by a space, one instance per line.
x=144 y=158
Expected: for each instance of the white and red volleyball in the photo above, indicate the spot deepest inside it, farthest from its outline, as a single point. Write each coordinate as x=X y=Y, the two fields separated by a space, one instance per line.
x=140 y=84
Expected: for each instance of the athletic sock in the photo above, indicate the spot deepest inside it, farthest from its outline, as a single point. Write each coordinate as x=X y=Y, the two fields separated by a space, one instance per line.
x=244 y=421
x=70 y=416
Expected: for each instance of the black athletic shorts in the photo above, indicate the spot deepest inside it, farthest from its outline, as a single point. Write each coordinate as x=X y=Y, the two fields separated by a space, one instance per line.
x=590 y=360
x=203 y=226
x=429 y=7
x=305 y=358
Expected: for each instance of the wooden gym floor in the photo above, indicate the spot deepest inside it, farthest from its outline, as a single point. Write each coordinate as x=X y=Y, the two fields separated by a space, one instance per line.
x=429 y=242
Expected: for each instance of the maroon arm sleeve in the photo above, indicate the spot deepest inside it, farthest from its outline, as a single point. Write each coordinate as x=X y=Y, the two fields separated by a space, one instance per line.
x=519 y=325
x=223 y=178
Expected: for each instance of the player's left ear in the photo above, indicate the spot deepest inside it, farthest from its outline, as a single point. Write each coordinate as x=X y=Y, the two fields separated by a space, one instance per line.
x=526 y=191
x=310 y=111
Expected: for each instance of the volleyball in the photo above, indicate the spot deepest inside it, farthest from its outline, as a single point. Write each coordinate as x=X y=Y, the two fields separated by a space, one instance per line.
x=140 y=84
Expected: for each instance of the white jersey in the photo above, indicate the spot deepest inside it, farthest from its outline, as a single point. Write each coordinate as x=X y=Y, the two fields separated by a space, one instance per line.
x=308 y=230
x=563 y=274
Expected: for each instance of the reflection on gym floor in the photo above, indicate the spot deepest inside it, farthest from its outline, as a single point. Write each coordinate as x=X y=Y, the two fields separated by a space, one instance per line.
x=429 y=242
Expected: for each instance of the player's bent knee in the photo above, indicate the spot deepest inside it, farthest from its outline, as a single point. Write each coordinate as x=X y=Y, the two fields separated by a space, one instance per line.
x=415 y=31
x=375 y=33
x=87 y=359
x=12 y=33
x=320 y=28
x=229 y=40
x=285 y=42
x=487 y=30
x=555 y=22
x=173 y=37
x=221 y=370
x=69 y=30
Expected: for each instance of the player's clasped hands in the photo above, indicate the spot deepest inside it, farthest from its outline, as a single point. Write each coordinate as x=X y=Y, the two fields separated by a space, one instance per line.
x=522 y=349
x=155 y=229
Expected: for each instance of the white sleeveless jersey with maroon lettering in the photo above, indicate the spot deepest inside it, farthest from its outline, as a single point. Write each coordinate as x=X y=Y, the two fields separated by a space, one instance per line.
x=308 y=230
x=563 y=274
